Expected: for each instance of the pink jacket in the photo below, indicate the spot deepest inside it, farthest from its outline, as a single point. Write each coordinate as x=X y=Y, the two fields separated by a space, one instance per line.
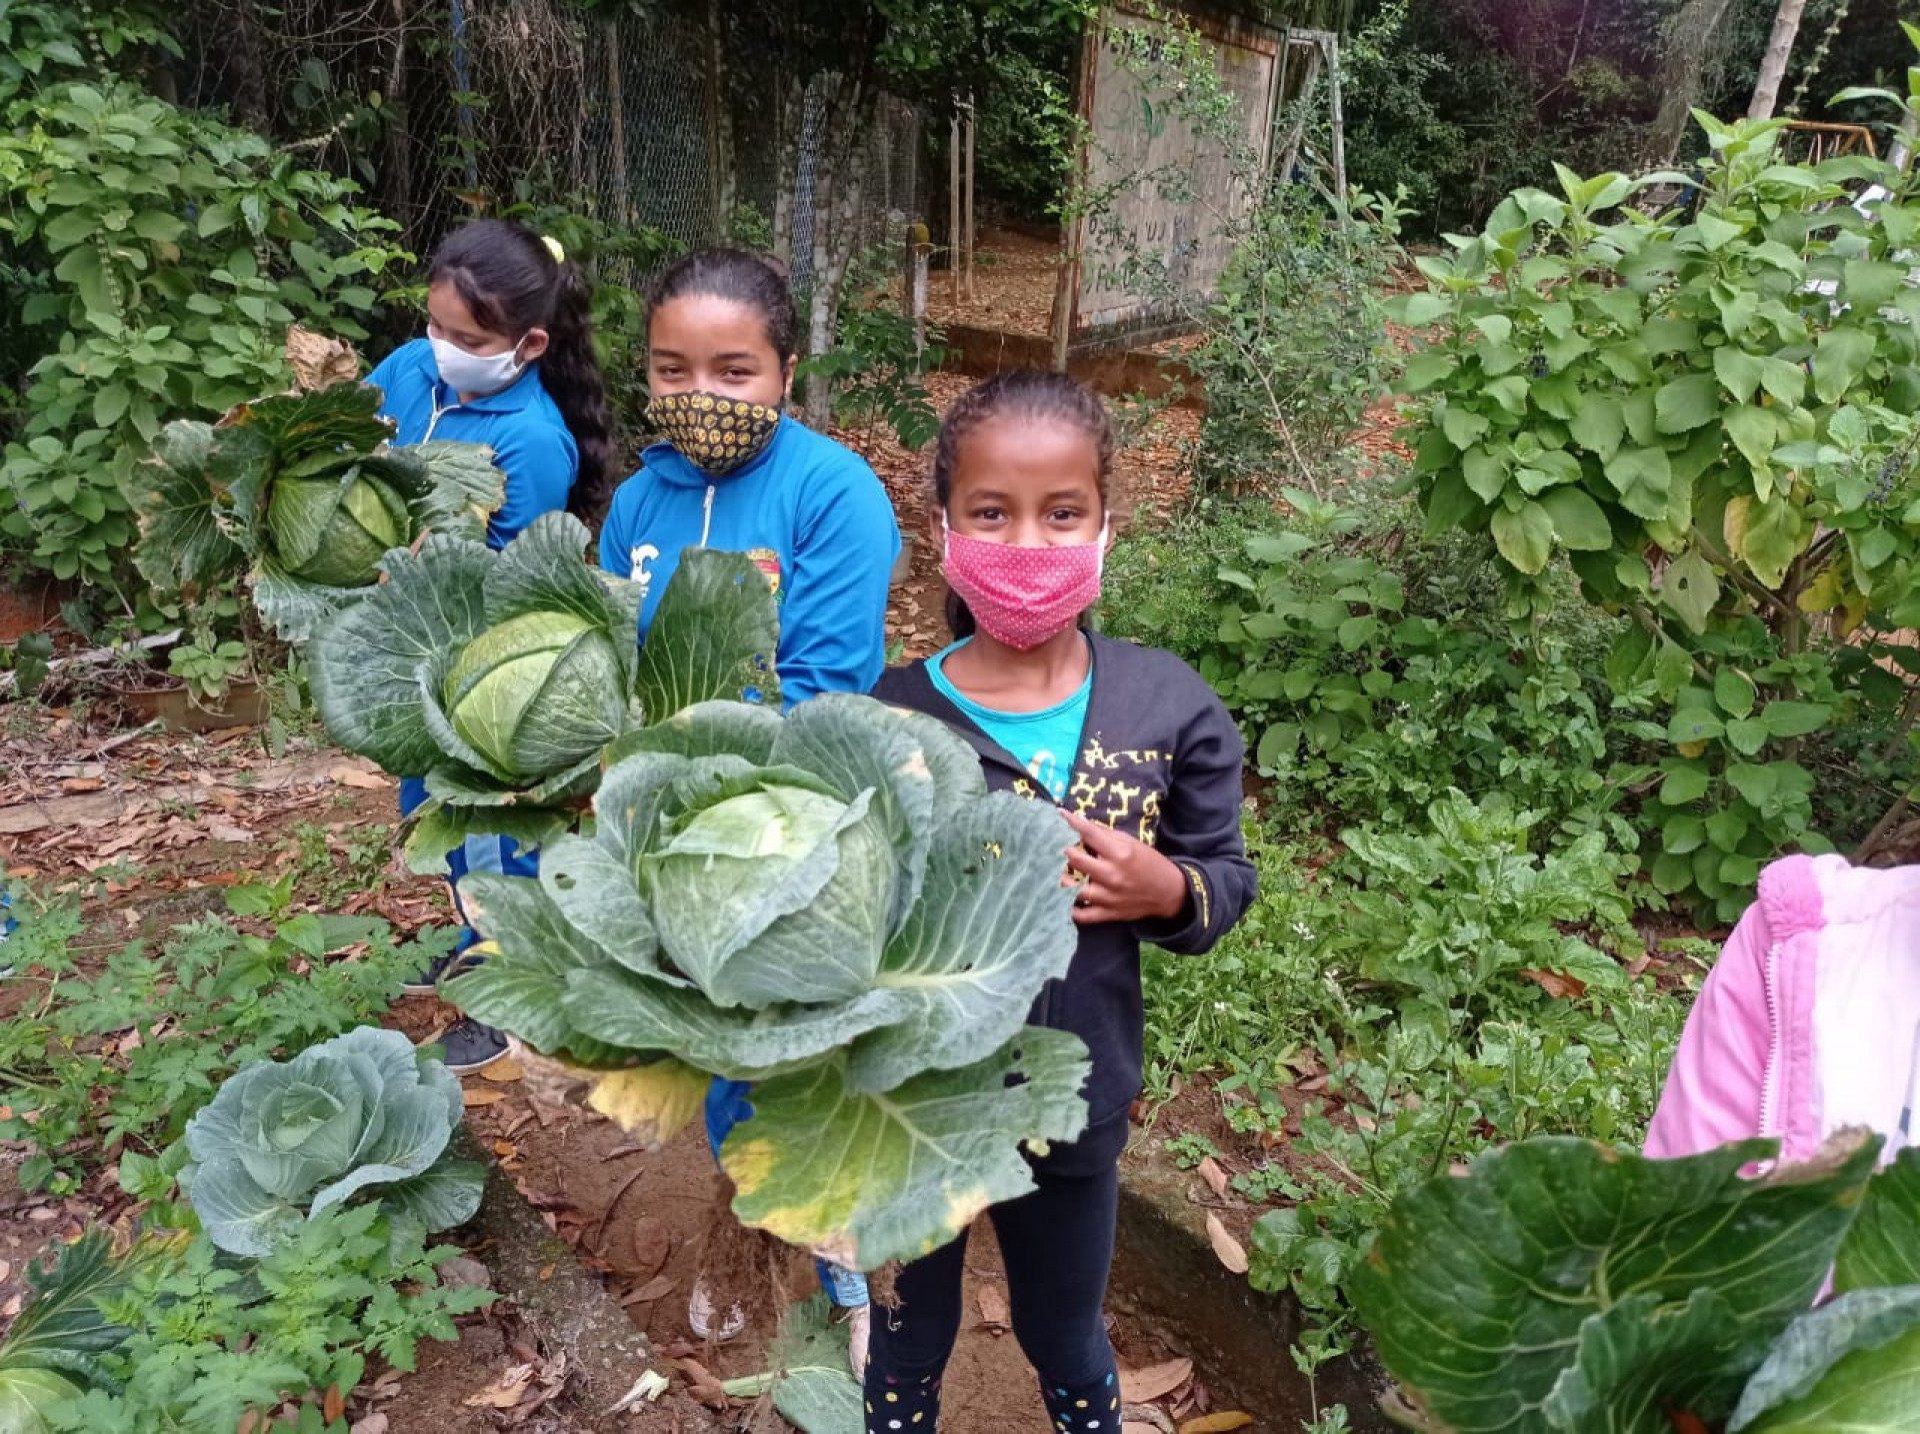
x=1809 y=1021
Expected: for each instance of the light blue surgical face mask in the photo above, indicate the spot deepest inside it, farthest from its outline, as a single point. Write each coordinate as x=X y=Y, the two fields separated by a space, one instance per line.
x=476 y=375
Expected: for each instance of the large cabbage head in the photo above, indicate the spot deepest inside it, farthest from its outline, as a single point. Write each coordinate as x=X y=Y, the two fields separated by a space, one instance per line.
x=538 y=691
x=362 y=1113
x=831 y=905
x=334 y=531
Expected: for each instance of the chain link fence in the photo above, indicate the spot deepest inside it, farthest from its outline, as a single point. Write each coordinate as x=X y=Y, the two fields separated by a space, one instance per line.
x=446 y=109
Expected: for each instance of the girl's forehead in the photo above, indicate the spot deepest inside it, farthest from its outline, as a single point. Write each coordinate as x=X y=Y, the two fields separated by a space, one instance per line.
x=709 y=323
x=1028 y=447
x=446 y=308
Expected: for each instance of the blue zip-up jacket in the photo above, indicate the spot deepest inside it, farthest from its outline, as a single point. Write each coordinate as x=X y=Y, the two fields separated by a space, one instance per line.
x=522 y=425
x=810 y=512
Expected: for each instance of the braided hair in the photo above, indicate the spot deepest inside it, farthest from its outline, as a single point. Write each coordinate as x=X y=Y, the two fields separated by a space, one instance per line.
x=1030 y=394
x=510 y=280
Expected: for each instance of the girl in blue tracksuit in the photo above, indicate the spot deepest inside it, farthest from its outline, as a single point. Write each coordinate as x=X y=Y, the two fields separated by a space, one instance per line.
x=507 y=361
x=736 y=473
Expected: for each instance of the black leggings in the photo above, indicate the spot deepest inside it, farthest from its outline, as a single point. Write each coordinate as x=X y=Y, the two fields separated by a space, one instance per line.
x=1057 y=1243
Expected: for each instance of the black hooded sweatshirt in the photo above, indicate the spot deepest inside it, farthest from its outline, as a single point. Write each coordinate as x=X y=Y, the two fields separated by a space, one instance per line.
x=1160 y=760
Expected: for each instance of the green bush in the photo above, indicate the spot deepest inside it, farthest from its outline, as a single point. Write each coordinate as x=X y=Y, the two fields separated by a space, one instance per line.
x=155 y=258
x=1714 y=421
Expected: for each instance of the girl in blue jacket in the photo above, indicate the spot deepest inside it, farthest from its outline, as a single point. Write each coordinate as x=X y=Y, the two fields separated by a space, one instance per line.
x=734 y=472
x=507 y=361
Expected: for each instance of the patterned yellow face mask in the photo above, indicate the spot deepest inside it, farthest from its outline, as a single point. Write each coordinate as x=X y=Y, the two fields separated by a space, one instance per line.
x=714 y=433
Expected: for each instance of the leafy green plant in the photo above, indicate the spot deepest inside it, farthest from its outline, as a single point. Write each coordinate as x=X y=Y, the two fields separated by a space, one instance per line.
x=1579 y=1287
x=502 y=676
x=53 y=1349
x=122 y=1058
x=156 y=256
x=1713 y=420
x=806 y=1372
x=212 y=1340
x=832 y=906
x=877 y=370
x=303 y=493
x=1293 y=348
x=362 y=1114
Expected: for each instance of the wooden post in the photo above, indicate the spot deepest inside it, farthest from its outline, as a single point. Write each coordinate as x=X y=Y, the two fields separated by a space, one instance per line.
x=1339 y=120
x=967 y=222
x=915 y=298
x=953 y=204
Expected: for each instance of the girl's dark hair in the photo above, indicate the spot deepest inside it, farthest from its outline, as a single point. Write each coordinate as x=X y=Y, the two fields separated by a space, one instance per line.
x=1030 y=394
x=737 y=275
x=509 y=279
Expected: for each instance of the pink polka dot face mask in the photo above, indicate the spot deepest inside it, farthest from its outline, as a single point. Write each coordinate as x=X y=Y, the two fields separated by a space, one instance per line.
x=1023 y=596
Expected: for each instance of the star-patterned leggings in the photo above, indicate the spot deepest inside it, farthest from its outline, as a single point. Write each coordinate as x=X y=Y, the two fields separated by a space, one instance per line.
x=1057 y=1243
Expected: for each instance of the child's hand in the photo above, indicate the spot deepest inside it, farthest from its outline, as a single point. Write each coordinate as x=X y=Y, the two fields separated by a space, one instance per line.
x=1120 y=878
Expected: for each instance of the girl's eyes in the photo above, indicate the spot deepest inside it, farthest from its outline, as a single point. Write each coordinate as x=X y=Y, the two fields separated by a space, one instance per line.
x=1064 y=515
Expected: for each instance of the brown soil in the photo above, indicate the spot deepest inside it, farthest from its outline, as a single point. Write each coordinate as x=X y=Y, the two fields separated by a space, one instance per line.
x=1013 y=283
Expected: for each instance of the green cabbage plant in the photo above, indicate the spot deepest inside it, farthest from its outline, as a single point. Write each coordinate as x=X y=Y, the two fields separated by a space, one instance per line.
x=361 y=1115
x=1562 y=1286
x=52 y=1351
x=501 y=677
x=832 y=906
x=302 y=493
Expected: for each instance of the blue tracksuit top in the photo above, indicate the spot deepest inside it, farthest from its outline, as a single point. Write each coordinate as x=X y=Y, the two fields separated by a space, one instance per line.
x=521 y=424
x=810 y=512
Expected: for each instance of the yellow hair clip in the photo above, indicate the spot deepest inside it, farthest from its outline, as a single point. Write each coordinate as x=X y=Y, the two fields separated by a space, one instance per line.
x=553 y=248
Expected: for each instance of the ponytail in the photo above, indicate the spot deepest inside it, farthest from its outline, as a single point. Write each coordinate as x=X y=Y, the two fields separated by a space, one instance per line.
x=512 y=281
x=571 y=374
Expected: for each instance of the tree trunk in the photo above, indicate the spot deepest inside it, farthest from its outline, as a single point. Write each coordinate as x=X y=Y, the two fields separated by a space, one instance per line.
x=1773 y=65
x=836 y=211
x=790 y=109
x=617 y=113
x=720 y=125
x=396 y=175
x=1690 y=35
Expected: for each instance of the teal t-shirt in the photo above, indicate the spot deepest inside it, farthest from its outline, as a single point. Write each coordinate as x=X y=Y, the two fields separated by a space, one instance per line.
x=1043 y=742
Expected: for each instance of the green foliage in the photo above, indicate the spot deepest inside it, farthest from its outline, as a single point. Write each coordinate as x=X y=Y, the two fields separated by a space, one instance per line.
x=125 y=1057
x=1581 y=1288
x=213 y=1340
x=360 y=1115
x=1293 y=348
x=877 y=368
x=52 y=1350
x=155 y=257
x=1713 y=421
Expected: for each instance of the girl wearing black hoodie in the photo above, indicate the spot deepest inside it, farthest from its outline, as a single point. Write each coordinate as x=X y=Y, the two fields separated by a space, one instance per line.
x=1134 y=748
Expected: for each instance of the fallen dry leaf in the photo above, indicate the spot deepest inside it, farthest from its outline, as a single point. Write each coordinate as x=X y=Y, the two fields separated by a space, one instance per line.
x=480 y=1095
x=1218 y=1423
x=318 y=361
x=504 y=1071
x=1215 y=1177
x=354 y=777
x=333 y=1403
x=1557 y=984
x=6 y=1268
x=81 y=784
x=1232 y=1254
x=227 y=831
x=994 y=1314
x=506 y=1392
x=1155 y=1381
x=657 y=1288
x=649 y=1243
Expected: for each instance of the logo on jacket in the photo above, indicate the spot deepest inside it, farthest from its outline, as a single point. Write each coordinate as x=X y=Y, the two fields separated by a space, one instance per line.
x=768 y=561
x=638 y=557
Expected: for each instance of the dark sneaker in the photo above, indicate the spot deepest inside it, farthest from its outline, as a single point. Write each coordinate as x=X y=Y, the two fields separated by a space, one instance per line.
x=427 y=983
x=469 y=1047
